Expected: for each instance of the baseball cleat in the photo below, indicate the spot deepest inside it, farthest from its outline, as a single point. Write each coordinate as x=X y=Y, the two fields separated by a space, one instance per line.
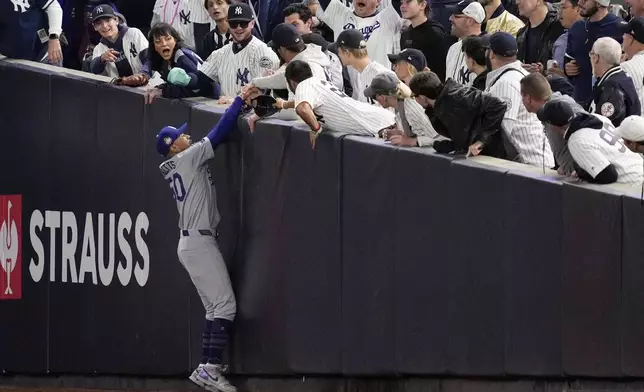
x=194 y=377
x=211 y=376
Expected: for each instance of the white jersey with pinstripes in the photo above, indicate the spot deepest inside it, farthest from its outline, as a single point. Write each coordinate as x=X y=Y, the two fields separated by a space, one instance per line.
x=595 y=149
x=381 y=31
x=181 y=14
x=339 y=112
x=189 y=178
x=456 y=67
x=233 y=71
x=419 y=123
x=361 y=80
x=525 y=131
x=635 y=69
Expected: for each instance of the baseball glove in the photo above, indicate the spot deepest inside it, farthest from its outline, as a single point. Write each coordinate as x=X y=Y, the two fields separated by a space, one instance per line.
x=263 y=105
x=132 y=81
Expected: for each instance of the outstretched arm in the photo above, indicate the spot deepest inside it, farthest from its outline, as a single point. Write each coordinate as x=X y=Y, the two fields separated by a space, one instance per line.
x=226 y=124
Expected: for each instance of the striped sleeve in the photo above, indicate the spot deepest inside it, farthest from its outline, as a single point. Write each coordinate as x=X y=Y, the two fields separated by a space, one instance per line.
x=213 y=62
x=420 y=124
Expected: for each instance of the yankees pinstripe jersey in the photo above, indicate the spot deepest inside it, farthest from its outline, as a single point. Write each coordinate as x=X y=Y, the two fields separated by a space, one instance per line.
x=456 y=67
x=339 y=112
x=235 y=70
x=594 y=149
x=361 y=80
x=523 y=129
x=419 y=123
x=312 y=55
x=381 y=31
x=132 y=47
x=182 y=15
x=635 y=69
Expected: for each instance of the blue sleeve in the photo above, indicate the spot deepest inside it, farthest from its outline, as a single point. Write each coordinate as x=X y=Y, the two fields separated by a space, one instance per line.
x=146 y=69
x=143 y=57
x=227 y=124
x=97 y=66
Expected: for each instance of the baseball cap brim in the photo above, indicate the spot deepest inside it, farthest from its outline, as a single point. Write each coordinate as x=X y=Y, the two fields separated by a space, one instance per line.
x=333 y=48
x=393 y=58
x=94 y=19
x=241 y=19
x=369 y=93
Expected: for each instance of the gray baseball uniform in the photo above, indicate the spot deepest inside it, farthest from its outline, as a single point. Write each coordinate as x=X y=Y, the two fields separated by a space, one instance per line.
x=190 y=180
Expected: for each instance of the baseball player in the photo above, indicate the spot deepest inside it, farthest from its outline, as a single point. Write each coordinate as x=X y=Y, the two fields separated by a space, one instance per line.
x=614 y=94
x=599 y=155
x=467 y=17
x=188 y=17
x=188 y=175
x=413 y=126
x=631 y=130
x=122 y=50
x=352 y=50
x=237 y=63
x=220 y=35
x=633 y=46
x=522 y=129
x=23 y=34
x=381 y=30
x=320 y=102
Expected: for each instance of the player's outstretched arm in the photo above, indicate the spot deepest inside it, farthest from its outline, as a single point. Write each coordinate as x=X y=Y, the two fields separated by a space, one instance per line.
x=227 y=124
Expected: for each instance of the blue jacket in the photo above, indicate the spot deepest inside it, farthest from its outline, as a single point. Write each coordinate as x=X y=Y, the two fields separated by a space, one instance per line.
x=581 y=37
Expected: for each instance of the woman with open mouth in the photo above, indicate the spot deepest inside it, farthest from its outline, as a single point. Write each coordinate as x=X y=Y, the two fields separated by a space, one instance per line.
x=122 y=50
x=167 y=51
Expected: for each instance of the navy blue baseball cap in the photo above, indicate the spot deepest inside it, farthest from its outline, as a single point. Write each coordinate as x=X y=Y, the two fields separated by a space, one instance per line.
x=557 y=113
x=240 y=12
x=634 y=27
x=413 y=56
x=103 y=11
x=349 y=39
x=286 y=35
x=167 y=136
x=503 y=44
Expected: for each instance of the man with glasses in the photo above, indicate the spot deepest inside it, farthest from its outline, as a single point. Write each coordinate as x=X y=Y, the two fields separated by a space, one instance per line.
x=614 y=95
x=237 y=63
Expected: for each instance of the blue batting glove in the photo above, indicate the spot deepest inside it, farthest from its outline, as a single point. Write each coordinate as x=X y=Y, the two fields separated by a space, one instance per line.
x=179 y=77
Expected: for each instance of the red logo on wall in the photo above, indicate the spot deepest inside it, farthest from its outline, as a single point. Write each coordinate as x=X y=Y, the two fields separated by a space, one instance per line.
x=10 y=247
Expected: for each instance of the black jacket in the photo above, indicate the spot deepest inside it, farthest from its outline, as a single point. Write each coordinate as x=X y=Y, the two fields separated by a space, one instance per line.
x=433 y=40
x=553 y=30
x=479 y=81
x=615 y=97
x=467 y=115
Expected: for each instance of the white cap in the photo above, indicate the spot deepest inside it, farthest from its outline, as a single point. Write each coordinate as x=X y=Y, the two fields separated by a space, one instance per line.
x=475 y=11
x=604 y=3
x=631 y=129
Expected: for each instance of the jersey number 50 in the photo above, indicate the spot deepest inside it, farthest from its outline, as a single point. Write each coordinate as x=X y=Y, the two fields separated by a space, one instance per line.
x=176 y=184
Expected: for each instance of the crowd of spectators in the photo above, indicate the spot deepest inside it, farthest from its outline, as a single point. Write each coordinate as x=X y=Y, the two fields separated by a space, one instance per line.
x=555 y=85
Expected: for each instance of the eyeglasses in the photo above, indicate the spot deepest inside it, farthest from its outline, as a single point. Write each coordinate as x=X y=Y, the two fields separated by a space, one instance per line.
x=235 y=24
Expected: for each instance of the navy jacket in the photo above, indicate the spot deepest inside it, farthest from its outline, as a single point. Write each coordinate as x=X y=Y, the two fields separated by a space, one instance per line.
x=581 y=37
x=615 y=96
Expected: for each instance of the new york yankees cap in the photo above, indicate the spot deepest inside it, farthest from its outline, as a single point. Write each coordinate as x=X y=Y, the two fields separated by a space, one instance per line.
x=631 y=129
x=471 y=8
x=413 y=56
x=285 y=35
x=103 y=11
x=167 y=136
x=240 y=12
x=634 y=28
x=557 y=113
